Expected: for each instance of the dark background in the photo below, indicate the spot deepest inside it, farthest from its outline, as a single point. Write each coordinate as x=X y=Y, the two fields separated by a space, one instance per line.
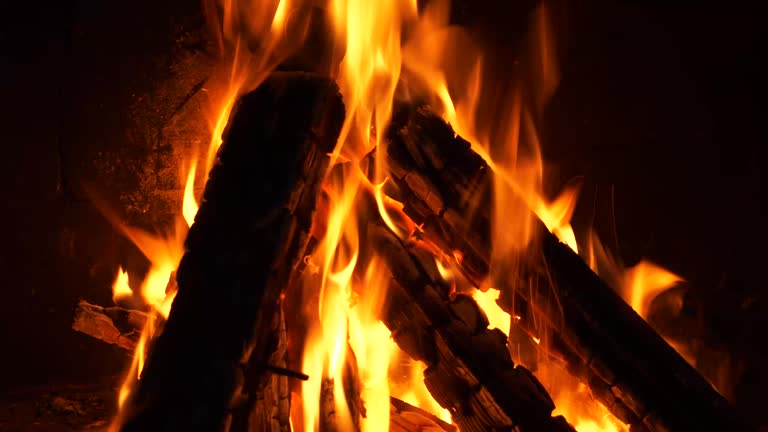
x=660 y=109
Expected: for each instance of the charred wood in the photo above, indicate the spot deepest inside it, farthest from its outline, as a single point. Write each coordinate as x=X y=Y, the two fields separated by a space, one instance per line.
x=113 y=325
x=445 y=187
x=469 y=368
x=271 y=408
x=249 y=235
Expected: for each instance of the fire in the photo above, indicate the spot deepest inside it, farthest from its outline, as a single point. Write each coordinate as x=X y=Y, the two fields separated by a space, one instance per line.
x=496 y=316
x=644 y=282
x=350 y=287
x=189 y=206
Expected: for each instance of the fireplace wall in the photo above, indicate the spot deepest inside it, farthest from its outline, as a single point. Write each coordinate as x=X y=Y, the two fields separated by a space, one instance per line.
x=657 y=109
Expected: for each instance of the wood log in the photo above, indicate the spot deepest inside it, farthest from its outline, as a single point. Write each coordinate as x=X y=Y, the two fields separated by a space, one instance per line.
x=113 y=325
x=248 y=236
x=445 y=186
x=469 y=368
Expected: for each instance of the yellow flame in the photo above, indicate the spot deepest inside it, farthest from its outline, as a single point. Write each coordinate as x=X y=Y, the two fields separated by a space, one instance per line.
x=644 y=282
x=189 y=206
x=326 y=347
x=575 y=402
x=370 y=340
x=496 y=316
x=120 y=288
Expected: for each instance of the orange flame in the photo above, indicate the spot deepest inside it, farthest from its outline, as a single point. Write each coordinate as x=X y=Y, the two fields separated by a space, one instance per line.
x=644 y=282
x=189 y=206
x=120 y=288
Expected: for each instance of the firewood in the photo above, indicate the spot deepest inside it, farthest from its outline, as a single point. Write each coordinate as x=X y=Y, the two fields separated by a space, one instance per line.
x=469 y=368
x=113 y=325
x=248 y=236
x=445 y=187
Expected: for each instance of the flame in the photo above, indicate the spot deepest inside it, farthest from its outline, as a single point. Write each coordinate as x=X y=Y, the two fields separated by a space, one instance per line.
x=326 y=347
x=496 y=316
x=413 y=390
x=238 y=23
x=644 y=282
x=574 y=401
x=371 y=341
x=120 y=288
x=189 y=205
x=509 y=142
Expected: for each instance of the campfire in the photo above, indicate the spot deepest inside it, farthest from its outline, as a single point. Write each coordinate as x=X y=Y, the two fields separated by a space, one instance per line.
x=366 y=245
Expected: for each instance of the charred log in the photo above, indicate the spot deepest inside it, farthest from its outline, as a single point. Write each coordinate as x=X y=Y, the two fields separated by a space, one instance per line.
x=249 y=235
x=445 y=187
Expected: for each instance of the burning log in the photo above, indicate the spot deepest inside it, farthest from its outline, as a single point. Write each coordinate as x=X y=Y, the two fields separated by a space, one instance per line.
x=113 y=325
x=469 y=369
x=250 y=233
x=445 y=186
